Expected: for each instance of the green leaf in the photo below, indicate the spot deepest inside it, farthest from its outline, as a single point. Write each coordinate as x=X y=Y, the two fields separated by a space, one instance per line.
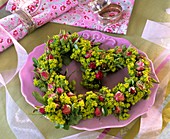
x=59 y=126
x=124 y=48
x=66 y=126
x=66 y=60
x=104 y=111
x=74 y=119
x=77 y=39
x=75 y=46
x=43 y=89
x=100 y=50
x=82 y=69
x=39 y=98
x=106 y=70
x=154 y=81
x=132 y=82
x=35 y=62
x=97 y=44
x=119 y=66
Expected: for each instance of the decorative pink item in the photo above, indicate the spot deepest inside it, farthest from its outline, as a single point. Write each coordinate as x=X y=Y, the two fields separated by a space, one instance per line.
x=83 y=16
x=39 y=11
x=27 y=87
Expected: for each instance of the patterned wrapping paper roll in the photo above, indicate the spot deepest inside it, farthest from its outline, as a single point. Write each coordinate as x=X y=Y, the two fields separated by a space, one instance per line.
x=40 y=11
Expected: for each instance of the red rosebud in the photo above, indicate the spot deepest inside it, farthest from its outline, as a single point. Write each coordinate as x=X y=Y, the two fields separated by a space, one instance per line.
x=51 y=85
x=101 y=98
x=38 y=70
x=140 y=85
x=65 y=36
x=92 y=65
x=66 y=109
x=119 y=50
x=129 y=53
x=70 y=94
x=98 y=112
x=119 y=96
x=140 y=65
x=52 y=95
x=48 y=49
x=57 y=105
x=50 y=56
x=50 y=41
x=44 y=75
x=74 y=39
x=59 y=90
x=88 y=55
x=139 y=73
x=117 y=110
x=42 y=110
x=132 y=90
x=99 y=75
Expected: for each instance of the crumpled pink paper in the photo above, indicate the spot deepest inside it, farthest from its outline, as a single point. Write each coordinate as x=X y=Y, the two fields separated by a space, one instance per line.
x=42 y=11
x=18 y=121
x=151 y=122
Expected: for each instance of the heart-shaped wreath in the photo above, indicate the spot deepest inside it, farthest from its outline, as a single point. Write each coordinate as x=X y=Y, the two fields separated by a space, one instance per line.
x=62 y=106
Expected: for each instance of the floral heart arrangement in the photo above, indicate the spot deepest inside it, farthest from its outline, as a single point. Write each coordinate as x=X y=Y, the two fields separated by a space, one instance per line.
x=63 y=106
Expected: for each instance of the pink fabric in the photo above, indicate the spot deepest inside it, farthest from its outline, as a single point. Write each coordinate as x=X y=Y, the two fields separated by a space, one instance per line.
x=42 y=11
x=83 y=16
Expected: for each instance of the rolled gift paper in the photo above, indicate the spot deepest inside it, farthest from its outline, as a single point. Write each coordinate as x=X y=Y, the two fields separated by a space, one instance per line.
x=39 y=12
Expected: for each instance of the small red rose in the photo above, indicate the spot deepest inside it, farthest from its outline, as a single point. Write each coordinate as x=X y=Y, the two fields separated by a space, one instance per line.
x=101 y=98
x=42 y=110
x=98 y=112
x=51 y=86
x=44 y=75
x=132 y=90
x=117 y=110
x=66 y=109
x=119 y=96
x=59 y=90
x=92 y=65
x=139 y=73
x=52 y=95
x=50 y=56
x=65 y=37
x=140 y=65
x=129 y=53
x=99 y=75
x=119 y=50
x=74 y=39
x=140 y=85
x=88 y=55
x=70 y=94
